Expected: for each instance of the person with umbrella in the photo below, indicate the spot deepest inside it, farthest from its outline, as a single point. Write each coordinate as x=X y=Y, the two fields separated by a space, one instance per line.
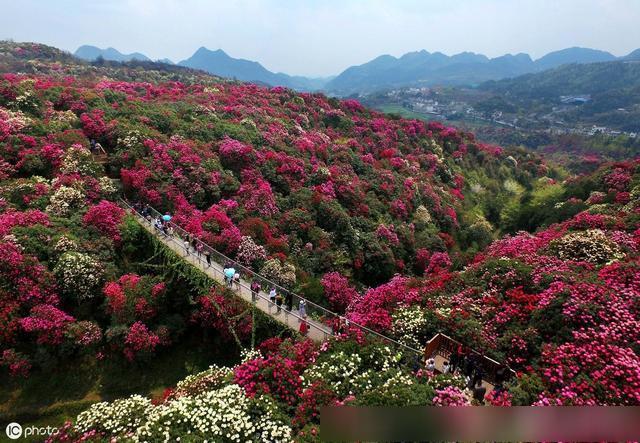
x=229 y=273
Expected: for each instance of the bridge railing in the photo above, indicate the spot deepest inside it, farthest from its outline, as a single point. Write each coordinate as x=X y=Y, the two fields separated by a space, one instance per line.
x=332 y=321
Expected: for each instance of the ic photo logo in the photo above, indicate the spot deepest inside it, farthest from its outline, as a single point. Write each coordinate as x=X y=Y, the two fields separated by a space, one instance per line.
x=14 y=431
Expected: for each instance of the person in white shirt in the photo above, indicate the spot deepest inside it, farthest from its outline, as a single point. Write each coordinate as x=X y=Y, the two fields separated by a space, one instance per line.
x=431 y=365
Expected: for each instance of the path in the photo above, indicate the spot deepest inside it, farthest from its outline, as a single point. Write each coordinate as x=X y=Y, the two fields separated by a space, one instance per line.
x=290 y=318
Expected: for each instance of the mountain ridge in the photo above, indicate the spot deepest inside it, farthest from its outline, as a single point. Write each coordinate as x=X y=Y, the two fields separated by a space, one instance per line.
x=415 y=68
x=422 y=68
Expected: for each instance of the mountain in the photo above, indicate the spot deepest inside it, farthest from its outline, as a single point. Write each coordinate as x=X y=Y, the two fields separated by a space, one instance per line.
x=572 y=55
x=467 y=68
x=635 y=55
x=220 y=63
x=91 y=53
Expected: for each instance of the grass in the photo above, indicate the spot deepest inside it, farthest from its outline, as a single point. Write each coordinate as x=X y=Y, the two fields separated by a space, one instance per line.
x=402 y=112
x=49 y=398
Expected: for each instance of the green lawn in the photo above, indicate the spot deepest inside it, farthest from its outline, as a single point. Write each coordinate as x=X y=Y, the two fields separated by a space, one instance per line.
x=403 y=112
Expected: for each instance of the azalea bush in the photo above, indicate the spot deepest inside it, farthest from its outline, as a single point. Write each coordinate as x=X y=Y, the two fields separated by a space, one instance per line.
x=79 y=275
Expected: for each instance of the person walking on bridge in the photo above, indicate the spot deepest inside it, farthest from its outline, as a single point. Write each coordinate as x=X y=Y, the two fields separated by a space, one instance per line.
x=302 y=309
x=229 y=273
x=255 y=289
x=236 y=280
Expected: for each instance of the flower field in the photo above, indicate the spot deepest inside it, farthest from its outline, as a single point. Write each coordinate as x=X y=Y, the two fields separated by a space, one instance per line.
x=406 y=227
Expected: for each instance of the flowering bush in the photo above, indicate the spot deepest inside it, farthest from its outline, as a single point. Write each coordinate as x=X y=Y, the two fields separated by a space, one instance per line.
x=353 y=374
x=450 y=396
x=65 y=200
x=84 y=333
x=225 y=314
x=120 y=418
x=48 y=322
x=106 y=217
x=79 y=275
x=337 y=290
x=17 y=363
x=591 y=246
x=140 y=341
x=282 y=274
x=79 y=160
x=408 y=326
x=250 y=254
x=213 y=378
x=226 y=414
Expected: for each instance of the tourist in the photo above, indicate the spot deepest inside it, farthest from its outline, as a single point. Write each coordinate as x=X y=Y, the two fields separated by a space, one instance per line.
x=416 y=363
x=446 y=368
x=500 y=378
x=304 y=328
x=272 y=295
x=170 y=231
x=236 y=280
x=456 y=359
x=158 y=224
x=478 y=375
x=186 y=244
x=255 y=289
x=229 y=273
x=479 y=392
x=92 y=144
x=199 y=248
x=431 y=365
x=207 y=256
x=468 y=365
x=302 y=309
x=279 y=300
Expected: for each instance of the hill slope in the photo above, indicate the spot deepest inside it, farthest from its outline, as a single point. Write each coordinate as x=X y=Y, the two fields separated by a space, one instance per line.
x=611 y=91
x=390 y=222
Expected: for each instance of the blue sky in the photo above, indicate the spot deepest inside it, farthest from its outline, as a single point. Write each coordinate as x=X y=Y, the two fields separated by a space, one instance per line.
x=324 y=37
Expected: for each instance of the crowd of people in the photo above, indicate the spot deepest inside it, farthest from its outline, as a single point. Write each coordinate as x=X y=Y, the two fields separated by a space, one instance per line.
x=231 y=275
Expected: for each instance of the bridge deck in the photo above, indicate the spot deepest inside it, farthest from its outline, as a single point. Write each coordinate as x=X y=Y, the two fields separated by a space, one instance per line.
x=291 y=318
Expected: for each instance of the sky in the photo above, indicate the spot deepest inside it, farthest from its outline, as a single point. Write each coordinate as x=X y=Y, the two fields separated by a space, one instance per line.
x=321 y=38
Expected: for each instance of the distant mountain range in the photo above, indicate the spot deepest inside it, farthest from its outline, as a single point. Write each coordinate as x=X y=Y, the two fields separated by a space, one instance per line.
x=419 y=68
x=467 y=68
x=91 y=53
x=219 y=63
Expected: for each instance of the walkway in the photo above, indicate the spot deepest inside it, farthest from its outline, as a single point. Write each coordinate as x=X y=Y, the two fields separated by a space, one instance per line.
x=291 y=318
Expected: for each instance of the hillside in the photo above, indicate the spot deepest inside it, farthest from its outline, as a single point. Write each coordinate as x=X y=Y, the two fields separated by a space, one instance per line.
x=406 y=227
x=611 y=91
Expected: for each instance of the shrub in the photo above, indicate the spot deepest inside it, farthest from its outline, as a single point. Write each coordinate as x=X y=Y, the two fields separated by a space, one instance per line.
x=79 y=275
